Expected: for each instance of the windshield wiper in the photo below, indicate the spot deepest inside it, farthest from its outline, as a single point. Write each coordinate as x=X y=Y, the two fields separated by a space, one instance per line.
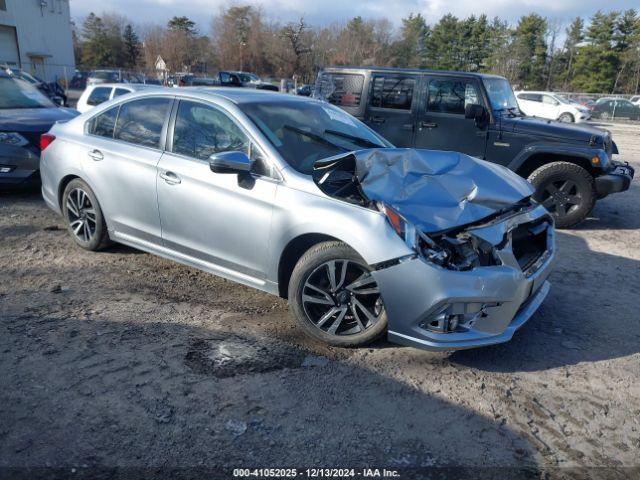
x=315 y=136
x=359 y=140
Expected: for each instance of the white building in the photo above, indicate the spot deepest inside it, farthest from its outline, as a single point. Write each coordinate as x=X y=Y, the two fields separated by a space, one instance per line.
x=35 y=35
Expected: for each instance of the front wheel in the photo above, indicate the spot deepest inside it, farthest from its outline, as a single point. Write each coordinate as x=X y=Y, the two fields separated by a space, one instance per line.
x=334 y=298
x=566 y=190
x=566 y=118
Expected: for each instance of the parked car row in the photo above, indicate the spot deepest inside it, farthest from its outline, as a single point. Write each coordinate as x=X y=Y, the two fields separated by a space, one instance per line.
x=554 y=106
x=374 y=215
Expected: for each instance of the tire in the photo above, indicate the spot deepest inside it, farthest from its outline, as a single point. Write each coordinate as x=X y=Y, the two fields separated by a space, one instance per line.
x=83 y=216
x=312 y=269
x=566 y=118
x=605 y=115
x=567 y=190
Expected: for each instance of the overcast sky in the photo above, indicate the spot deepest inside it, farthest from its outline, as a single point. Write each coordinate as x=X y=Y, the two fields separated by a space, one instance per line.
x=320 y=12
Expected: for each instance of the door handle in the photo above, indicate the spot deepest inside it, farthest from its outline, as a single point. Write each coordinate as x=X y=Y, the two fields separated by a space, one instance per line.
x=170 y=178
x=96 y=155
x=428 y=125
x=377 y=120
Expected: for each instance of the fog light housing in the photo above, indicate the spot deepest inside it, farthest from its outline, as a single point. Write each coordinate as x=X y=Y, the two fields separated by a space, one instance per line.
x=453 y=317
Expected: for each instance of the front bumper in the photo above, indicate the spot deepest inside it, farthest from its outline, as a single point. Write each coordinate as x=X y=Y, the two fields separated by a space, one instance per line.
x=498 y=299
x=616 y=180
x=24 y=165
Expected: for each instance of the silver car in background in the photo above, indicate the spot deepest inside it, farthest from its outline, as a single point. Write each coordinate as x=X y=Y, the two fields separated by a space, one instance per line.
x=297 y=198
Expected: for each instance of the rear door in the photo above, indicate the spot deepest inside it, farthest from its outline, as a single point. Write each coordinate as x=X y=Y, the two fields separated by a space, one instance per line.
x=441 y=122
x=530 y=104
x=121 y=164
x=390 y=107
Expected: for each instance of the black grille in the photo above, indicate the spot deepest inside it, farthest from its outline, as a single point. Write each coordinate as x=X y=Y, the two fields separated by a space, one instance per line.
x=529 y=242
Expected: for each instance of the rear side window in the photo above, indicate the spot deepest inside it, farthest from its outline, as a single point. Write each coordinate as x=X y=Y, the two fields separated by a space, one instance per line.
x=120 y=91
x=99 y=95
x=342 y=89
x=532 y=97
x=104 y=124
x=451 y=96
x=140 y=121
x=392 y=92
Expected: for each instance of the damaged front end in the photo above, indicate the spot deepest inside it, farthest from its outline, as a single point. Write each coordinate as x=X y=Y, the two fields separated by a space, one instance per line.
x=483 y=248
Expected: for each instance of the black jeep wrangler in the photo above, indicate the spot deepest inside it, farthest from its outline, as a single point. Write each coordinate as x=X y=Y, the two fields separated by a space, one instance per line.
x=570 y=166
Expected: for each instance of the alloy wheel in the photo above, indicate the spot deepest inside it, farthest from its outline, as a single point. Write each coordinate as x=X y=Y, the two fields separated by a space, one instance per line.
x=81 y=214
x=341 y=297
x=561 y=197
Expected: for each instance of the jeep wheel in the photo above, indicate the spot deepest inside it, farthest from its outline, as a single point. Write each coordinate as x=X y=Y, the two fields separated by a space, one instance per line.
x=566 y=118
x=566 y=190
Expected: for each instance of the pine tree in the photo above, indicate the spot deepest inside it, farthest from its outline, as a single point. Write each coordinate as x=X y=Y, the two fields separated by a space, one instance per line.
x=411 y=49
x=131 y=46
x=597 y=62
x=530 y=51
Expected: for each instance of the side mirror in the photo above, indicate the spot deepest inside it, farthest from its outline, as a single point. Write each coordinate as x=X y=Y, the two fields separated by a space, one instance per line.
x=230 y=162
x=475 y=111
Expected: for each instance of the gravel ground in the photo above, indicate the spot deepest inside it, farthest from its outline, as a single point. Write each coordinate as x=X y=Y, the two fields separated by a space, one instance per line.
x=124 y=359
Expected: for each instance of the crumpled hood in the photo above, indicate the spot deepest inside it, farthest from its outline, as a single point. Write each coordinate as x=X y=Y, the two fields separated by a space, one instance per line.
x=38 y=120
x=437 y=190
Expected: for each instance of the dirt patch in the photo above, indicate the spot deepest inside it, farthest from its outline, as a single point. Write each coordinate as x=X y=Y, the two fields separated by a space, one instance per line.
x=228 y=355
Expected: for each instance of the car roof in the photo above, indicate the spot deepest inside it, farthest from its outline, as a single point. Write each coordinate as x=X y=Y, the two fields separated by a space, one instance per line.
x=408 y=70
x=134 y=86
x=244 y=95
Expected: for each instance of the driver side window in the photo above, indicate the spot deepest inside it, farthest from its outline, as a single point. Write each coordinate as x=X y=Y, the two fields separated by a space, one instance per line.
x=201 y=131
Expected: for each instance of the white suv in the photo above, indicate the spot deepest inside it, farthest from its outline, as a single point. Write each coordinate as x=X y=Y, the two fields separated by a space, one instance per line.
x=552 y=106
x=103 y=92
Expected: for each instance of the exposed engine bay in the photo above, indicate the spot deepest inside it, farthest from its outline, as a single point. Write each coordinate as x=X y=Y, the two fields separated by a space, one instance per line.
x=432 y=199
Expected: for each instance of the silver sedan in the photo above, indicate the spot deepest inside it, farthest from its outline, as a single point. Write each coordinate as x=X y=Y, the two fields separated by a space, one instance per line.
x=297 y=198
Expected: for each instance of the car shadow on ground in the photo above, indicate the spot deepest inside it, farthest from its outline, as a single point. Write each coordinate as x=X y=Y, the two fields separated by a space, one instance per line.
x=116 y=391
x=590 y=315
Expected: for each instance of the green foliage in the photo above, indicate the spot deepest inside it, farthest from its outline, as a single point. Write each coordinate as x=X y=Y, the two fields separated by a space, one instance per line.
x=182 y=24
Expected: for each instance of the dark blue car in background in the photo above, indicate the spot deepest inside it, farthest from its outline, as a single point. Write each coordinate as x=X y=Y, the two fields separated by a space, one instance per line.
x=25 y=114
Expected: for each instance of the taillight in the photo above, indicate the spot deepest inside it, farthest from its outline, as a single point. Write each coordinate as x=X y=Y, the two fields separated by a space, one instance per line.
x=46 y=139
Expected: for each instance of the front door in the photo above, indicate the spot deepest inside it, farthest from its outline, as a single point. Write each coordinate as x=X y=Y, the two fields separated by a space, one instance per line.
x=389 y=110
x=220 y=219
x=441 y=123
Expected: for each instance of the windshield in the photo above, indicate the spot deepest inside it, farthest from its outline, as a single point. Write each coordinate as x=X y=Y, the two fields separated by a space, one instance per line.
x=500 y=94
x=249 y=77
x=16 y=93
x=305 y=132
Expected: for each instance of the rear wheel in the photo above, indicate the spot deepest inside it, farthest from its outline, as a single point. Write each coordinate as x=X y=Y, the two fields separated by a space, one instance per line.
x=334 y=298
x=566 y=190
x=83 y=216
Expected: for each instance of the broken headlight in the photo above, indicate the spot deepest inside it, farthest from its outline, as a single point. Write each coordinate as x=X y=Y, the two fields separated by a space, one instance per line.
x=462 y=251
x=454 y=251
